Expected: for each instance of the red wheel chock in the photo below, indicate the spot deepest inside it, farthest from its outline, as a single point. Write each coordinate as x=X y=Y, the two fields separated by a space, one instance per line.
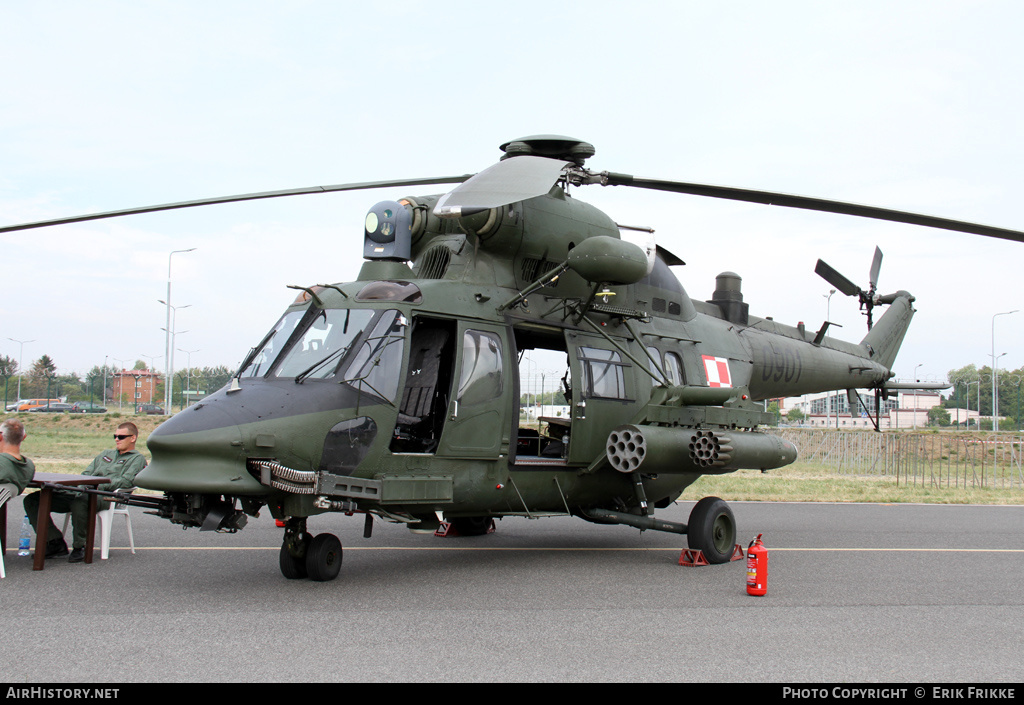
x=693 y=557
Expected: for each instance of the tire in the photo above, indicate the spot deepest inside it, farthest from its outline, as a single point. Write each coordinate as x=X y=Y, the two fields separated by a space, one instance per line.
x=472 y=526
x=323 y=558
x=291 y=567
x=712 y=529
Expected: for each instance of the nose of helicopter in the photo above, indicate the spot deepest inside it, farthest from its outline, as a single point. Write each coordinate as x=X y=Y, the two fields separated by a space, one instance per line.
x=207 y=460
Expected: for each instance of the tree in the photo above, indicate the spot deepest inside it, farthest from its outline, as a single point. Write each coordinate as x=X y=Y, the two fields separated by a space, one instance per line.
x=8 y=367
x=978 y=382
x=38 y=379
x=215 y=377
x=794 y=415
x=937 y=416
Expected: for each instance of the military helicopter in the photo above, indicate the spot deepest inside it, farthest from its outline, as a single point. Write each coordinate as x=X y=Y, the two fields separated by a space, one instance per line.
x=397 y=396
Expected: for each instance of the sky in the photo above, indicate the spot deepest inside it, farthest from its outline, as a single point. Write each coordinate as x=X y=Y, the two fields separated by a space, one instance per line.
x=911 y=105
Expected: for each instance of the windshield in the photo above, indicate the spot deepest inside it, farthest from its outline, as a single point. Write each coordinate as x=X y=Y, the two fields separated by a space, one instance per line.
x=259 y=360
x=317 y=343
x=318 y=349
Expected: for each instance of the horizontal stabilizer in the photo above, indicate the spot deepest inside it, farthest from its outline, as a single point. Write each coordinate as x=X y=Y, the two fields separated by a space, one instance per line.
x=923 y=386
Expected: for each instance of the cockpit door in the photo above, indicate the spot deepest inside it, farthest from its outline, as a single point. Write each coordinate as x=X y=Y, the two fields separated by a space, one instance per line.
x=477 y=424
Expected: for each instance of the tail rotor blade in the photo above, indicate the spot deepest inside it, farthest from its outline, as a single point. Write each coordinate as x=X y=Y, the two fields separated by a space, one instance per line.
x=876 y=265
x=836 y=279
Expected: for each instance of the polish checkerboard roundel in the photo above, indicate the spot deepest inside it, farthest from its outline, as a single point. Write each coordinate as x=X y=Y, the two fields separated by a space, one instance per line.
x=717 y=369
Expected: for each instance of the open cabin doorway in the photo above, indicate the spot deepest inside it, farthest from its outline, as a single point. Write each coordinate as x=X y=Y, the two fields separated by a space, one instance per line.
x=544 y=429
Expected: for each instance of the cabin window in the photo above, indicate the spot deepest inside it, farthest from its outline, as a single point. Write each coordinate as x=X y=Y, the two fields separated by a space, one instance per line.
x=674 y=369
x=481 y=368
x=603 y=373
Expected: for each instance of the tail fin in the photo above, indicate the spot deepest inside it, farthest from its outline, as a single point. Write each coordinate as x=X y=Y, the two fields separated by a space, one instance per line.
x=886 y=337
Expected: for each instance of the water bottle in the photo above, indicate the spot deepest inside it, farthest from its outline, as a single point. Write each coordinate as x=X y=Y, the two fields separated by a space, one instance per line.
x=26 y=537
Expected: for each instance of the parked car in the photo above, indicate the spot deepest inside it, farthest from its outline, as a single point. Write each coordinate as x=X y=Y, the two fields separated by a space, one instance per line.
x=30 y=404
x=55 y=407
x=151 y=409
x=15 y=405
x=87 y=407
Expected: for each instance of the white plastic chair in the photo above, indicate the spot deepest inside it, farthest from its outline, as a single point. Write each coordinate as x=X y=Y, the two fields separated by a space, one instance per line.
x=4 y=496
x=106 y=519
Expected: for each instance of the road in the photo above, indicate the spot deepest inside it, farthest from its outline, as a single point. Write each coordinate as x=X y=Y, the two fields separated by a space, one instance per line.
x=859 y=593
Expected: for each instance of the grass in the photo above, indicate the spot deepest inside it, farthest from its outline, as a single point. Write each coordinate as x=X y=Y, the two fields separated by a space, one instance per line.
x=66 y=443
x=806 y=482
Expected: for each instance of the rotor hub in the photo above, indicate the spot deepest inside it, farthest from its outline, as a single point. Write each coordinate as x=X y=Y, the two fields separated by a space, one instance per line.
x=566 y=149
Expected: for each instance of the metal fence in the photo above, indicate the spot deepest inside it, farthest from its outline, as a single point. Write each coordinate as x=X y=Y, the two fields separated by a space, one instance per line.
x=944 y=459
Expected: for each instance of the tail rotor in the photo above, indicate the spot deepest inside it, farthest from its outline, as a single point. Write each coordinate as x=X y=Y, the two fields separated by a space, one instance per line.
x=868 y=299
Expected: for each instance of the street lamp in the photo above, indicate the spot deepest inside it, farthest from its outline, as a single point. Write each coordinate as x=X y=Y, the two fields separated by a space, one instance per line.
x=977 y=426
x=188 y=373
x=120 y=384
x=21 y=356
x=995 y=391
x=168 y=352
x=152 y=363
x=956 y=395
x=172 y=333
x=995 y=375
x=915 y=395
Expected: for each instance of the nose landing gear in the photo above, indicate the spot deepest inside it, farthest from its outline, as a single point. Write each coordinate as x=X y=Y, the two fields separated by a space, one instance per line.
x=306 y=556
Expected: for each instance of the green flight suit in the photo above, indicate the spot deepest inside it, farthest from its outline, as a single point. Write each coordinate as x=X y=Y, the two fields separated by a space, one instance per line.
x=120 y=468
x=16 y=472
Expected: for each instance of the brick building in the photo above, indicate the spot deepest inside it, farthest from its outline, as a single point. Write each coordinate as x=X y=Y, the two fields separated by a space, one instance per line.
x=134 y=386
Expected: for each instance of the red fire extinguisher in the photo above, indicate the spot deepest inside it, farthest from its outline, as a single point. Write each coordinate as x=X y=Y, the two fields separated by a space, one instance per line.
x=757 y=568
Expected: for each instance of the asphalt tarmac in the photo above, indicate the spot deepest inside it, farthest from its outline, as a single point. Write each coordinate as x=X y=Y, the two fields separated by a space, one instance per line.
x=856 y=593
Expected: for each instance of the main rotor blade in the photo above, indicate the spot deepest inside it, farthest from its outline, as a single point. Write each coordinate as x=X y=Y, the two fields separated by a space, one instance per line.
x=815 y=204
x=876 y=266
x=508 y=181
x=242 y=197
x=836 y=279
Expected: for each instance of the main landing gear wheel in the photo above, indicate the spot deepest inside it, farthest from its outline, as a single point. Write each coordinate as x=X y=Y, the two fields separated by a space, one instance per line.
x=712 y=529
x=293 y=558
x=323 y=557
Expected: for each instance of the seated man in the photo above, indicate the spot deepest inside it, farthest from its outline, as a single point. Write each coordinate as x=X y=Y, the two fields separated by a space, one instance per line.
x=121 y=465
x=16 y=471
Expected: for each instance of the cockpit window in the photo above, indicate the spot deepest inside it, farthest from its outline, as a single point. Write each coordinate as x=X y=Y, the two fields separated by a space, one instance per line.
x=260 y=359
x=319 y=349
x=307 y=343
x=367 y=344
x=375 y=367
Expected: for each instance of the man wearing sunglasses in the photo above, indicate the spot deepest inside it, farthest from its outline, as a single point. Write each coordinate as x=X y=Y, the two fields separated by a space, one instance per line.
x=121 y=464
